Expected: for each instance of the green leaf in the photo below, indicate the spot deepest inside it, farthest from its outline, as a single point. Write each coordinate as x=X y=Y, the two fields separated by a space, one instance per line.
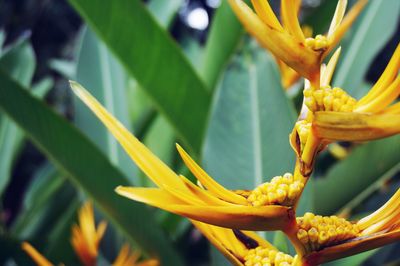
x=379 y=183
x=217 y=259
x=320 y=17
x=247 y=141
x=281 y=242
x=154 y=59
x=354 y=174
x=373 y=29
x=164 y=11
x=42 y=87
x=59 y=248
x=86 y=167
x=19 y=62
x=104 y=77
x=64 y=67
x=225 y=33
x=11 y=251
x=2 y=40
x=44 y=188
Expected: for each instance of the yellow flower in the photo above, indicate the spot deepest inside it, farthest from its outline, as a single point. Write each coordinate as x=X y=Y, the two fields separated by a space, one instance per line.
x=330 y=114
x=287 y=41
x=268 y=207
x=128 y=258
x=85 y=237
x=373 y=116
x=85 y=241
x=243 y=247
x=328 y=238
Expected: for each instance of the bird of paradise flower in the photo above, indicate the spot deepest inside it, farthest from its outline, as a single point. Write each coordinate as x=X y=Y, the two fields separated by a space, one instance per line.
x=85 y=241
x=316 y=239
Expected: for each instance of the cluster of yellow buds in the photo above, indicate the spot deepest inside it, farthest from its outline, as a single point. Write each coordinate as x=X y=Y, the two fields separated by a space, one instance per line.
x=328 y=99
x=267 y=257
x=303 y=131
x=320 y=42
x=316 y=232
x=281 y=190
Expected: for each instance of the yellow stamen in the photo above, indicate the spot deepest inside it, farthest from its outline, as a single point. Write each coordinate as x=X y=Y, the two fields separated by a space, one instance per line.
x=265 y=256
x=282 y=190
x=317 y=232
x=328 y=99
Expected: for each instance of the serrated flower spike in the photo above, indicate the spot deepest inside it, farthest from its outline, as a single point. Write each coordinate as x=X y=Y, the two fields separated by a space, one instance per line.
x=286 y=40
x=266 y=209
x=328 y=238
x=338 y=116
x=85 y=242
x=330 y=114
x=243 y=248
x=86 y=237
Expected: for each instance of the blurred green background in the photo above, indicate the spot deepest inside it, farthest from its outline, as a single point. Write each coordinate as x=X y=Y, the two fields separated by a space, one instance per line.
x=172 y=71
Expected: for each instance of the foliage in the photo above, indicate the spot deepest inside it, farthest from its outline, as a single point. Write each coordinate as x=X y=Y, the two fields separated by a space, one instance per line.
x=229 y=110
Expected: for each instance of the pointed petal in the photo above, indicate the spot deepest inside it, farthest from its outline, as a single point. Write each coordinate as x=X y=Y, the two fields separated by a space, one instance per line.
x=353 y=247
x=152 y=166
x=229 y=240
x=122 y=256
x=207 y=181
x=381 y=101
x=295 y=54
x=355 y=126
x=204 y=195
x=346 y=24
x=209 y=232
x=390 y=73
x=267 y=15
x=126 y=257
x=290 y=21
x=87 y=227
x=150 y=262
x=235 y=217
x=101 y=229
x=152 y=196
x=187 y=198
x=337 y=18
x=39 y=259
x=327 y=74
x=234 y=244
x=389 y=207
x=393 y=109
